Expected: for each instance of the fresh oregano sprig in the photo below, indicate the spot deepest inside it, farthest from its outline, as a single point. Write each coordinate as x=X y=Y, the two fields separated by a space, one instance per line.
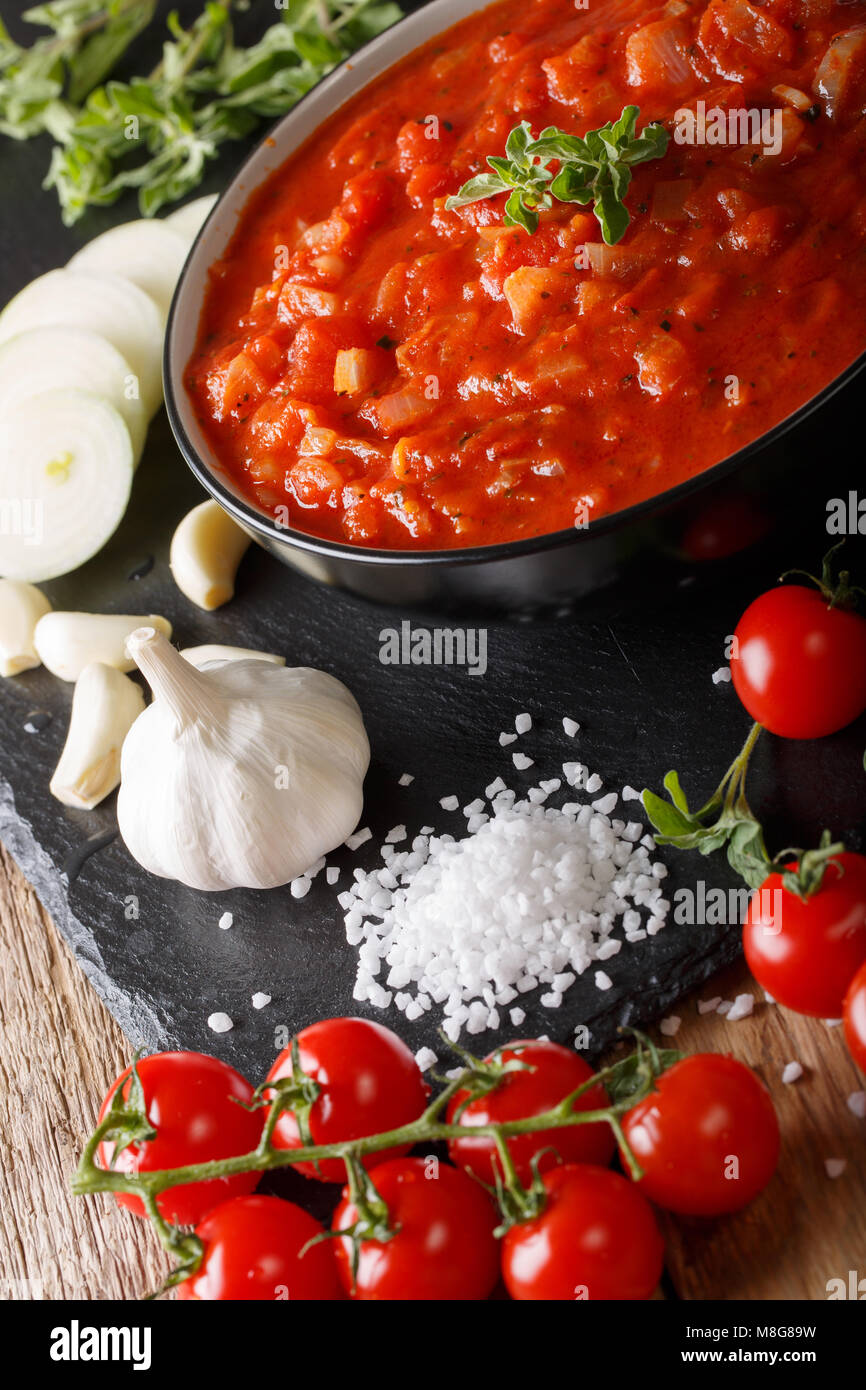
x=725 y=820
x=157 y=132
x=627 y=1082
x=595 y=168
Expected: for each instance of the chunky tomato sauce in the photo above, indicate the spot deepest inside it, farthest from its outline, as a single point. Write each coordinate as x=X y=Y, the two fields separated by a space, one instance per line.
x=375 y=369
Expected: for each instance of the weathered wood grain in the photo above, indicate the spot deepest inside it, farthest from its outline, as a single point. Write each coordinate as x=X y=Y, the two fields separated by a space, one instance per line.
x=60 y=1049
x=806 y=1228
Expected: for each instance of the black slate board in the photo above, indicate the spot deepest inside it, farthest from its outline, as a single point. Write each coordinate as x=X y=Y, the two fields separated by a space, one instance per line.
x=633 y=668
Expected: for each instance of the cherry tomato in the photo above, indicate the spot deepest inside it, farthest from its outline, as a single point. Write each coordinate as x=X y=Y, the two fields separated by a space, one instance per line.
x=854 y=1014
x=596 y=1238
x=725 y=528
x=806 y=952
x=370 y=1082
x=444 y=1247
x=798 y=665
x=253 y=1250
x=556 y=1072
x=707 y=1138
x=192 y=1103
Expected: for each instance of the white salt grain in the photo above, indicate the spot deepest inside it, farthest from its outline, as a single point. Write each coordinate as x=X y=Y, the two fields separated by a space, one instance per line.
x=594 y=783
x=670 y=1026
x=722 y=675
x=835 y=1167
x=396 y=835
x=505 y=739
x=220 y=1023
x=300 y=887
x=629 y=794
x=426 y=1058
x=360 y=837
x=570 y=726
x=332 y=875
x=833 y=1022
x=260 y=1001
x=741 y=1007
x=517 y=1016
x=406 y=779
x=857 y=1104
x=449 y=803
x=521 y=762
x=523 y=723
x=226 y=921
x=709 y=1006
x=792 y=1072
x=525 y=901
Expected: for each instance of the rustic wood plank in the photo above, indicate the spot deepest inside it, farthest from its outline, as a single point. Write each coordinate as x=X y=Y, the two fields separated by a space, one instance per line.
x=60 y=1051
x=805 y=1228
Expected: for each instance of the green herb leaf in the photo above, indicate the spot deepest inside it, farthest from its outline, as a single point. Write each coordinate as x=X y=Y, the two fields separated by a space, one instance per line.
x=158 y=133
x=593 y=169
x=726 y=819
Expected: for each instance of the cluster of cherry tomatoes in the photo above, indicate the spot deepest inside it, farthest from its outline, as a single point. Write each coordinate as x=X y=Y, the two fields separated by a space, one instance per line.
x=706 y=1138
x=798 y=664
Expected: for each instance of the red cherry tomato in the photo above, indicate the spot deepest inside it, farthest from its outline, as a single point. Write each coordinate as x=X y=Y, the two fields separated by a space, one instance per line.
x=597 y=1238
x=854 y=1015
x=370 y=1082
x=556 y=1072
x=192 y=1103
x=253 y=1250
x=723 y=529
x=798 y=665
x=707 y=1138
x=806 y=952
x=444 y=1247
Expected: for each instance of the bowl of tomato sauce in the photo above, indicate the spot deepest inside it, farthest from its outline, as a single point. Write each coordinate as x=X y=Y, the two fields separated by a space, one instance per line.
x=422 y=401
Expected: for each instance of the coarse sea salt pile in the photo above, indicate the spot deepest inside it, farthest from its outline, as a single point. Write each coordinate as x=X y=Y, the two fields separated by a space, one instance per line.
x=530 y=898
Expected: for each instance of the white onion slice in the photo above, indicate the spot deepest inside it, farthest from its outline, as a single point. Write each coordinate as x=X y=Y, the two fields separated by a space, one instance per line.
x=105 y=304
x=190 y=219
x=150 y=254
x=65 y=476
x=49 y=359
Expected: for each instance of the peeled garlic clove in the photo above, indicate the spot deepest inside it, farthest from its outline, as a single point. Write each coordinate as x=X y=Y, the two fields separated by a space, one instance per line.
x=104 y=707
x=206 y=550
x=21 y=607
x=212 y=651
x=67 y=642
x=239 y=776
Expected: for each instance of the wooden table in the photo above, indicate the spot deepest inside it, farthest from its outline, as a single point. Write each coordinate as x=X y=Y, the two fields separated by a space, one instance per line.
x=60 y=1049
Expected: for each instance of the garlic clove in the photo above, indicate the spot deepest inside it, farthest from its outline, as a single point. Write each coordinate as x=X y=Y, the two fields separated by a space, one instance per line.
x=206 y=549
x=67 y=642
x=105 y=705
x=213 y=651
x=21 y=607
x=241 y=775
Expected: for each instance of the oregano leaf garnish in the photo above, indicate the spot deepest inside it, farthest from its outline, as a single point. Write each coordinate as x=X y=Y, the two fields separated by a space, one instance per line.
x=595 y=168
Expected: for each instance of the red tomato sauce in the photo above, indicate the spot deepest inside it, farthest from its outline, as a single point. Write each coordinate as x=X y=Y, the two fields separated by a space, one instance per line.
x=375 y=369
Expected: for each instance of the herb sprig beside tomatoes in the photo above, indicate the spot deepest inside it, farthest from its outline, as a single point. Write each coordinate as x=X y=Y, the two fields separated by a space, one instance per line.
x=798 y=663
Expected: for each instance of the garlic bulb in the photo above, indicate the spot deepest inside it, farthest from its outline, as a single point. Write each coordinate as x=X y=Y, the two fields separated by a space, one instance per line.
x=215 y=651
x=105 y=705
x=21 y=607
x=240 y=776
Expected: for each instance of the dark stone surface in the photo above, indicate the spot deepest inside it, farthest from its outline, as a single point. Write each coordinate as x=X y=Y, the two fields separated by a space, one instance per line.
x=633 y=668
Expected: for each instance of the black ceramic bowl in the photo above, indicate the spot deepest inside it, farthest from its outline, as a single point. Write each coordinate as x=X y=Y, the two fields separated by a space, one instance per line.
x=722 y=511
